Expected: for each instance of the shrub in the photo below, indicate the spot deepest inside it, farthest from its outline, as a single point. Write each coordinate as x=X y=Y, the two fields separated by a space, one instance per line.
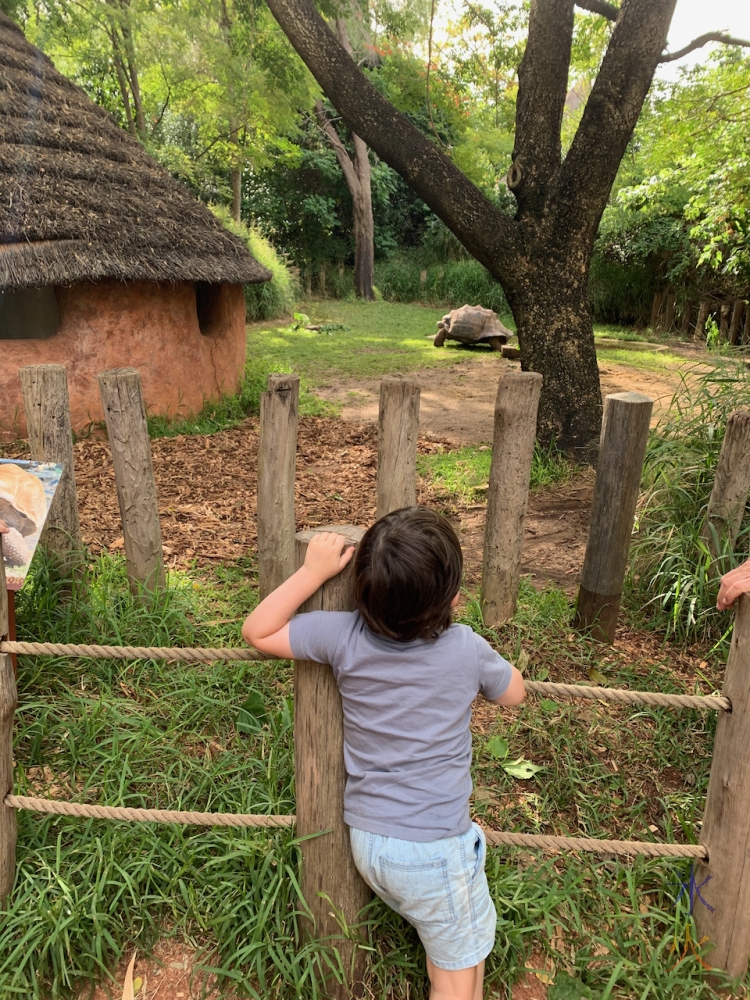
x=267 y=299
x=453 y=284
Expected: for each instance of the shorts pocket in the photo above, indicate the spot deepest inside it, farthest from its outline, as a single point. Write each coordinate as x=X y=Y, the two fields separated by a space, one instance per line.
x=421 y=889
x=480 y=851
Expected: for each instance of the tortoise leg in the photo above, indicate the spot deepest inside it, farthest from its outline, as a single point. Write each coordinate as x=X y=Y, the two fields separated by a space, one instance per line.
x=440 y=337
x=496 y=343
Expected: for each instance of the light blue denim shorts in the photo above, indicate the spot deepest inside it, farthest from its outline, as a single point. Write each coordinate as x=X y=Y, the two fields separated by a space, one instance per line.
x=440 y=887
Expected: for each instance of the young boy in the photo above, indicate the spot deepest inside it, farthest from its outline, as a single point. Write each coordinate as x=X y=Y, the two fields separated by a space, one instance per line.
x=407 y=678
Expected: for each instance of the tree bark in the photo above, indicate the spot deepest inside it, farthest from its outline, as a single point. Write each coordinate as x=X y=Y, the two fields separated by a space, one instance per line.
x=542 y=257
x=734 y=326
x=700 y=323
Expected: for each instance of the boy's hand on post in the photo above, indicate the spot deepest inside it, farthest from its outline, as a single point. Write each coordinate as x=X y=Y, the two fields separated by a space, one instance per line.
x=325 y=556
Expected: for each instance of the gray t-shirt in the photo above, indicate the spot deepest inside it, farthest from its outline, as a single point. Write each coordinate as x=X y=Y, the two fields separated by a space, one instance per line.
x=407 y=707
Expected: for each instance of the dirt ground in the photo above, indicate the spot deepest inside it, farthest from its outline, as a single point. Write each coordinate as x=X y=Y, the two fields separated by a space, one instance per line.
x=457 y=402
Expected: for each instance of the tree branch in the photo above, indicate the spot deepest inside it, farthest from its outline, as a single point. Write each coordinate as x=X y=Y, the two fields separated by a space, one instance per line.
x=611 y=113
x=347 y=167
x=487 y=233
x=697 y=43
x=542 y=86
x=607 y=10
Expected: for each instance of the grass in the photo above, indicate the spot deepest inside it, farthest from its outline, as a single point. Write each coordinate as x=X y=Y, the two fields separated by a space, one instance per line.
x=462 y=474
x=219 y=737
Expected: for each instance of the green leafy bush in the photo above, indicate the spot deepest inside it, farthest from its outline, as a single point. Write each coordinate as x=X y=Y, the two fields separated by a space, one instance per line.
x=452 y=284
x=268 y=299
x=673 y=584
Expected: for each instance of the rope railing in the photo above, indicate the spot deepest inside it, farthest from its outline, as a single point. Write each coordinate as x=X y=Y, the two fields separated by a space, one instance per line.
x=621 y=696
x=496 y=838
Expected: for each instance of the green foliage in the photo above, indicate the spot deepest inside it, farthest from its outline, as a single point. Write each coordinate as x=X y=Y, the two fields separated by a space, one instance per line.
x=453 y=284
x=672 y=580
x=269 y=299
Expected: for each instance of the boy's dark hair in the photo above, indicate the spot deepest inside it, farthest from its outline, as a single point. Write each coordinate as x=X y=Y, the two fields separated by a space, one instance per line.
x=406 y=573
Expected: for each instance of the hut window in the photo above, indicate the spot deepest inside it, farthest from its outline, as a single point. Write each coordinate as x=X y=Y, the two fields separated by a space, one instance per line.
x=28 y=313
x=208 y=306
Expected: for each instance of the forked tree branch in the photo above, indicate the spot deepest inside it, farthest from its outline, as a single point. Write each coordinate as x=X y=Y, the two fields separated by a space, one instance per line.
x=487 y=233
x=607 y=10
x=697 y=43
x=344 y=160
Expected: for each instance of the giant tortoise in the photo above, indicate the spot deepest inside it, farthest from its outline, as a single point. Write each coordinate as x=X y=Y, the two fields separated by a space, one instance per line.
x=472 y=325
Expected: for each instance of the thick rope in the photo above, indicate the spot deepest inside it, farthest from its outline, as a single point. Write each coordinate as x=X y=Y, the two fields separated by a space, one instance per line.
x=495 y=838
x=57 y=808
x=626 y=697
x=175 y=653
x=549 y=843
x=185 y=655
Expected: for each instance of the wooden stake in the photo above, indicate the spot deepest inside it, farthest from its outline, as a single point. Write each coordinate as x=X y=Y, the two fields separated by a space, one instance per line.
x=45 y=400
x=327 y=865
x=618 y=477
x=512 y=451
x=8 y=702
x=669 y=317
x=686 y=317
x=746 y=329
x=655 y=309
x=398 y=430
x=277 y=453
x=125 y=414
x=726 y=820
x=736 y=321
x=731 y=485
x=724 y=320
x=700 y=323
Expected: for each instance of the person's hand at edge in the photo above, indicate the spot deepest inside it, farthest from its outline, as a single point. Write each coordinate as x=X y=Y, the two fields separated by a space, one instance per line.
x=733 y=583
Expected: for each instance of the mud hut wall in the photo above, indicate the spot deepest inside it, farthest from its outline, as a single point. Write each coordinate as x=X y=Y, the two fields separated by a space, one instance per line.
x=147 y=325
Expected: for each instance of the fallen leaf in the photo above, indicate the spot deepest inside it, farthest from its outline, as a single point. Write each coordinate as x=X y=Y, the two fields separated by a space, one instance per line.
x=128 y=989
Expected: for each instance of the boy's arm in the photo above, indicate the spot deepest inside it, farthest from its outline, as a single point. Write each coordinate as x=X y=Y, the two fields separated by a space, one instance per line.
x=515 y=691
x=267 y=627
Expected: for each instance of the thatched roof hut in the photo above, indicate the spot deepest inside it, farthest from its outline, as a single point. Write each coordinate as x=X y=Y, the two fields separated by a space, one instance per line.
x=84 y=209
x=81 y=199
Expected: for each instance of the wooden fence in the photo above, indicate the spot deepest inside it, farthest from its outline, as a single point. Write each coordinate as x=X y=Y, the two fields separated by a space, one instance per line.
x=331 y=884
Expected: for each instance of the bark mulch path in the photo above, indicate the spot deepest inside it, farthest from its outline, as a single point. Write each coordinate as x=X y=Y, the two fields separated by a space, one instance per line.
x=207 y=495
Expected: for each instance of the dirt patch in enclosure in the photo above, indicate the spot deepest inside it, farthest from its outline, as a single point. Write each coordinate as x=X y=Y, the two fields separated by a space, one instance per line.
x=207 y=498
x=457 y=402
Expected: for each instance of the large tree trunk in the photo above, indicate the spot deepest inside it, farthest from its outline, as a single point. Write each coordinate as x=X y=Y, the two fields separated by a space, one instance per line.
x=556 y=337
x=364 y=225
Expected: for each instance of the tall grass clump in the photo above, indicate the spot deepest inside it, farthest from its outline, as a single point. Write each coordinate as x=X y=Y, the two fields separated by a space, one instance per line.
x=672 y=582
x=451 y=284
x=268 y=299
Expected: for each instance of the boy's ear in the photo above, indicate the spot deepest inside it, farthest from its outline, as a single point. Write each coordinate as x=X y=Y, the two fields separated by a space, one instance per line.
x=454 y=602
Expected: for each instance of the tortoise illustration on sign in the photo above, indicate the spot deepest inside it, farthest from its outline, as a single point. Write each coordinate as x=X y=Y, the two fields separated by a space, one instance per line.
x=26 y=492
x=472 y=325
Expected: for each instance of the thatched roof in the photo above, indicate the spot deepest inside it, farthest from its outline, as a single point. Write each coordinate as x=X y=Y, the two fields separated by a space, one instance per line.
x=81 y=199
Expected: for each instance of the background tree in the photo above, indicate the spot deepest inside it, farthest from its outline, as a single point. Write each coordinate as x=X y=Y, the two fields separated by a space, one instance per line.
x=542 y=256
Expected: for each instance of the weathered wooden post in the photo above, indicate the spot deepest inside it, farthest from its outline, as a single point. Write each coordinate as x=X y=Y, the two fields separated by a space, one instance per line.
x=726 y=820
x=45 y=400
x=398 y=430
x=125 y=414
x=327 y=865
x=618 y=478
x=735 y=323
x=731 y=485
x=277 y=453
x=700 y=323
x=8 y=701
x=512 y=452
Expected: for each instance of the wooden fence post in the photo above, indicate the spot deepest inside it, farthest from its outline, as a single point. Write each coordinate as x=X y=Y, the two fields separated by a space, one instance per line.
x=125 y=414
x=398 y=430
x=686 y=317
x=8 y=701
x=512 y=451
x=618 y=478
x=736 y=321
x=45 y=400
x=277 y=454
x=700 y=323
x=731 y=485
x=726 y=820
x=327 y=864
